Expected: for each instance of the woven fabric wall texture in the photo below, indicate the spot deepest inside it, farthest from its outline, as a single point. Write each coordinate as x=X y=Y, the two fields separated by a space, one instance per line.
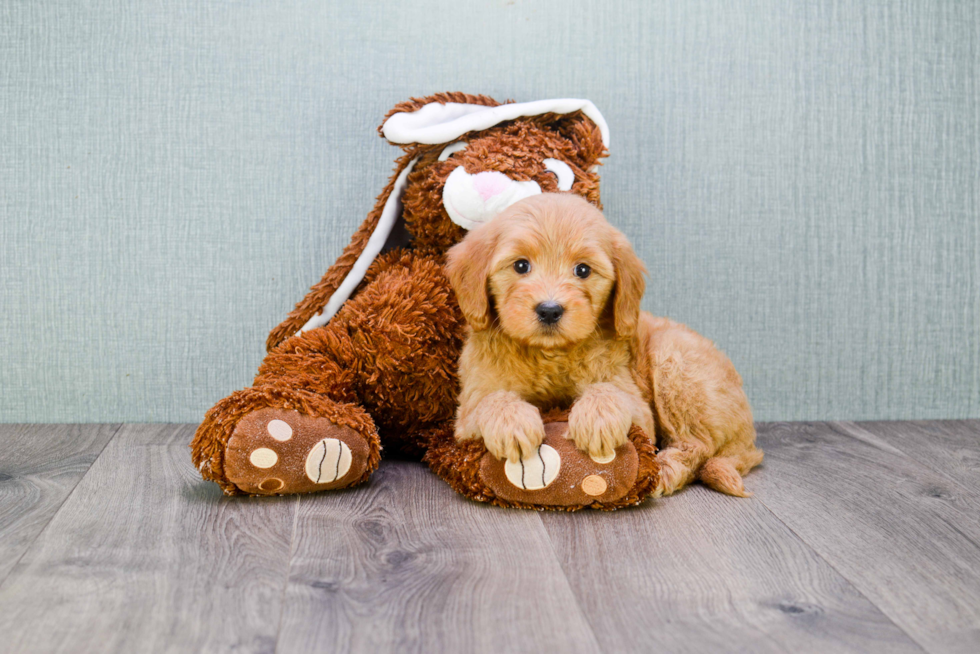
x=801 y=178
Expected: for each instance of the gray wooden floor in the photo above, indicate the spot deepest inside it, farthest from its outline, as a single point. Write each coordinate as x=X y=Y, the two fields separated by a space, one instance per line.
x=861 y=537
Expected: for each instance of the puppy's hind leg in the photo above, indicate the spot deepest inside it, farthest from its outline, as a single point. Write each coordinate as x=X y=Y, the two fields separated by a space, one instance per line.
x=685 y=461
x=704 y=422
x=679 y=465
x=717 y=455
x=724 y=473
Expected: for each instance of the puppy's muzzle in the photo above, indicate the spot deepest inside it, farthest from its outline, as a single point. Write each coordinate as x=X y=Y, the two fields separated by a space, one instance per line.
x=549 y=312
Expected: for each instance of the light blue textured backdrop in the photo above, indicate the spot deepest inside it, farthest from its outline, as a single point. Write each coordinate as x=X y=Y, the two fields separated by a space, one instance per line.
x=801 y=178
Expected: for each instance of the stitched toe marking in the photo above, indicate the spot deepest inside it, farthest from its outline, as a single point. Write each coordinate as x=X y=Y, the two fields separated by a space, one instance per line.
x=535 y=472
x=328 y=461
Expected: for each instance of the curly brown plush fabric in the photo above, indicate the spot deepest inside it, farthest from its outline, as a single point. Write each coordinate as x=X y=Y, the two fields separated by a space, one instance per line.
x=385 y=365
x=392 y=349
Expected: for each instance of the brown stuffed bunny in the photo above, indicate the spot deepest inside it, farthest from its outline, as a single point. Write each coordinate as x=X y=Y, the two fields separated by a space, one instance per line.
x=370 y=354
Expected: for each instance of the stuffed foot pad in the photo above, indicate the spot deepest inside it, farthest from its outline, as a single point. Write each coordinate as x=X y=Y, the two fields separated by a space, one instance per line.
x=278 y=451
x=559 y=474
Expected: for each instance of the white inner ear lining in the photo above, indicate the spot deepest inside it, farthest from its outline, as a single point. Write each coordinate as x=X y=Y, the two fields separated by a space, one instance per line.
x=436 y=123
x=452 y=149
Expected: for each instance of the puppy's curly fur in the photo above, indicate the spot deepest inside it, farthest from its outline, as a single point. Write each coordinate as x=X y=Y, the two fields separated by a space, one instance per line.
x=555 y=255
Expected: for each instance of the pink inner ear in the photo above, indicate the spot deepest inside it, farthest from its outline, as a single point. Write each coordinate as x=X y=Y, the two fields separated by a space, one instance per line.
x=490 y=184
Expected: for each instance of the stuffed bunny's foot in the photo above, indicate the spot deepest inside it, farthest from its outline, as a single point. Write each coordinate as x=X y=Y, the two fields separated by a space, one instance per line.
x=279 y=451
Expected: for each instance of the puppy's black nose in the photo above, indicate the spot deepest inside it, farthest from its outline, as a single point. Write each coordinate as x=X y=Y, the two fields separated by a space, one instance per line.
x=549 y=312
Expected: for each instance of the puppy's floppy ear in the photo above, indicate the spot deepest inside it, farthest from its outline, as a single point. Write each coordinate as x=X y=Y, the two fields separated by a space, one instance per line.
x=468 y=266
x=630 y=286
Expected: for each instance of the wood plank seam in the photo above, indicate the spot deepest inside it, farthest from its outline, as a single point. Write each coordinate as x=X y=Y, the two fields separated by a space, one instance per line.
x=843 y=576
x=30 y=546
x=289 y=568
x=866 y=437
x=905 y=534
x=564 y=574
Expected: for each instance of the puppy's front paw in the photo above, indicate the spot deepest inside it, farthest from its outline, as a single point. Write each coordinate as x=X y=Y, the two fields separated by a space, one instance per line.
x=599 y=423
x=513 y=435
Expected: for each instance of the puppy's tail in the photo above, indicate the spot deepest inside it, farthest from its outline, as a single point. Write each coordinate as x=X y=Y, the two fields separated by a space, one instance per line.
x=724 y=473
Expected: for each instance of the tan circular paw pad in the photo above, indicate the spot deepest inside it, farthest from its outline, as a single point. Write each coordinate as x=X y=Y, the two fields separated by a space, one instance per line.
x=263 y=457
x=279 y=430
x=594 y=485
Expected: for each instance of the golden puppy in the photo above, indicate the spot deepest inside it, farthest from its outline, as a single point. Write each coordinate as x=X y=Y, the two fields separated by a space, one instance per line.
x=552 y=295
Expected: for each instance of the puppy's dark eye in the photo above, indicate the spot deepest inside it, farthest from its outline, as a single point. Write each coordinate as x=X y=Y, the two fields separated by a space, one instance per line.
x=522 y=266
x=582 y=271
